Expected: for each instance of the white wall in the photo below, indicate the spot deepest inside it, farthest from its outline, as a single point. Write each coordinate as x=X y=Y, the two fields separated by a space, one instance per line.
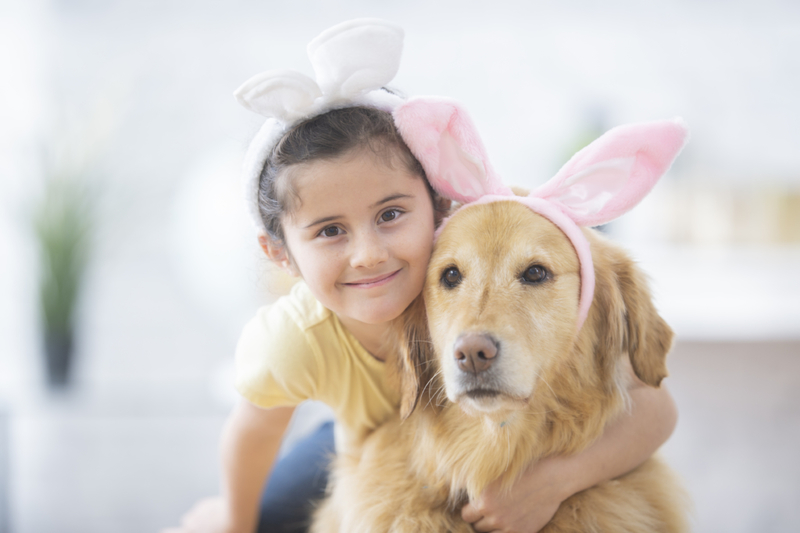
x=153 y=81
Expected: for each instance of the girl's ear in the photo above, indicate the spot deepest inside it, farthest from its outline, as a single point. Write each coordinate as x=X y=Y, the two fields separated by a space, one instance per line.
x=278 y=254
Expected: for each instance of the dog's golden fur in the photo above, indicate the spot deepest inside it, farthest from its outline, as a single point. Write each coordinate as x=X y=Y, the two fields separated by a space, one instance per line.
x=551 y=391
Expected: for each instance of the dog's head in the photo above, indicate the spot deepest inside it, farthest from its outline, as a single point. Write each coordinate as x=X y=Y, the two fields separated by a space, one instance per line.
x=502 y=296
x=512 y=279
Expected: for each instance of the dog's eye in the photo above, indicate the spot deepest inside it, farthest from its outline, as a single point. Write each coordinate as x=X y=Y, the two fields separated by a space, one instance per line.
x=451 y=277
x=534 y=274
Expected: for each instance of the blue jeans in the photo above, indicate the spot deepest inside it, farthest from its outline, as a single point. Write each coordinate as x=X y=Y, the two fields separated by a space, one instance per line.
x=298 y=480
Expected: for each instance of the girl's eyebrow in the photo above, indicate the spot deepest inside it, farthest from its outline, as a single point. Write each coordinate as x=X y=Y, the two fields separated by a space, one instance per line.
x=323 y=220
x=390 y=198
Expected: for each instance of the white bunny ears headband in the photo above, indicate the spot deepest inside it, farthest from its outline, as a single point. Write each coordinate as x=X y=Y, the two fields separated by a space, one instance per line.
x=355 y=59
x=352 y=61
x=598 y=184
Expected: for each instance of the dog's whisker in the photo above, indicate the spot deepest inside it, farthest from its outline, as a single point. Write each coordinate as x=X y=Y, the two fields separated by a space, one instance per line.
x=441 y=397
x=429 y=382
x=539 y=376
x=441 y=394
x=421 y=341
x=508 y=442
x=434 y=397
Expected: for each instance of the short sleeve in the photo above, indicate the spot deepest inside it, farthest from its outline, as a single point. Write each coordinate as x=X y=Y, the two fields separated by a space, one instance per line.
x=275 y=363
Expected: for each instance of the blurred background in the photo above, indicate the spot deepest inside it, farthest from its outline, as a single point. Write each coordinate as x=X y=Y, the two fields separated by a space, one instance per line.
x=124 y=241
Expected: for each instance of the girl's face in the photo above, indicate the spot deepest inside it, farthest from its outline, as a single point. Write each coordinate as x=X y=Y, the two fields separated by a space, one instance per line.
x=360 y=235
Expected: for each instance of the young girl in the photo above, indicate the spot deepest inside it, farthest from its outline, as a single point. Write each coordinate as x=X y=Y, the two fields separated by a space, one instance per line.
x=345 y=206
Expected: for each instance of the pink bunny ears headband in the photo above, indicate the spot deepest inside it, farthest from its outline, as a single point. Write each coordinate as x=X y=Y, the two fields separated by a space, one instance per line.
x=352 y=61
x=598 y=184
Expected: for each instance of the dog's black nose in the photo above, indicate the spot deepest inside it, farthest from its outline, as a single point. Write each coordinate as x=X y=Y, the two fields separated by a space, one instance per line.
x=474 y=352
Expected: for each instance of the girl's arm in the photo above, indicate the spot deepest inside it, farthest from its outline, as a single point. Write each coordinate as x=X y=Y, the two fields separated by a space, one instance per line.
x=250 y=442
x=624 y=445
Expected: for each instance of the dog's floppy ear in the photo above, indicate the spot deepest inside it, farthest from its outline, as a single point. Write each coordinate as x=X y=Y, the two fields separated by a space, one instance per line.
x=648 y=338
x=414 y=354
x=625 y=317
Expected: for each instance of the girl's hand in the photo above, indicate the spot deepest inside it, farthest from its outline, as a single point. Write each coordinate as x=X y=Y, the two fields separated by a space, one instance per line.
x=209 y=515
x=527 y=507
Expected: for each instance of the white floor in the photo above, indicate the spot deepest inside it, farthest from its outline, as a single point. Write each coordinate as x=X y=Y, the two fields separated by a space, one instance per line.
x=738 y=434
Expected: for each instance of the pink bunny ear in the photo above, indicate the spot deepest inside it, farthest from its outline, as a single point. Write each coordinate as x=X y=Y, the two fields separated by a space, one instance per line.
x=613 y=174
x=442 y=137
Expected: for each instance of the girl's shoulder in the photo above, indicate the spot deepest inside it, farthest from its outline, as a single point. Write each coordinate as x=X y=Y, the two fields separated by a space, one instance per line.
x=299 y=307
x=278 y=357
x=295 y=323
x=304 y=308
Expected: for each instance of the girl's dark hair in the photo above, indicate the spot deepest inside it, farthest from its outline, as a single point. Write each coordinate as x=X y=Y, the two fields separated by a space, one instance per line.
x=328 y=136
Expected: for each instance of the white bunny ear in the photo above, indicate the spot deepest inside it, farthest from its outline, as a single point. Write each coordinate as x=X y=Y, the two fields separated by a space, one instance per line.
x=282 y=94
x=443 y=138
x=356 y=56
x=613 y=174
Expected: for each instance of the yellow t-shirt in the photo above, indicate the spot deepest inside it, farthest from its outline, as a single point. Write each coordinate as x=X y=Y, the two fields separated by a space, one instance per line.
x=296 y=349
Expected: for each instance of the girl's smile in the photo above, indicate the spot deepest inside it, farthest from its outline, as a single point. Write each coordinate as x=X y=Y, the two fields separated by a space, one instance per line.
x=374 y=282
x=360 y=234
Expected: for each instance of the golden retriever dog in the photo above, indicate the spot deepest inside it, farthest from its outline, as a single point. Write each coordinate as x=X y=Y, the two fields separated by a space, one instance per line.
x=542 y=390
x=497 y=369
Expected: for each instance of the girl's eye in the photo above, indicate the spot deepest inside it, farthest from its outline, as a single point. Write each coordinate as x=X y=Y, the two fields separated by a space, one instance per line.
x=330 y=231
x=391 y=214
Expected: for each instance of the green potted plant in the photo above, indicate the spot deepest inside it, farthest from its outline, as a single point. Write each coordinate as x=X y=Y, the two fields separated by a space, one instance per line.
x=62 y=224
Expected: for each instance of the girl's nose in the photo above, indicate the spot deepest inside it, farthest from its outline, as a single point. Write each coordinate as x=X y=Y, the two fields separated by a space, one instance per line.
x=368 y=251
